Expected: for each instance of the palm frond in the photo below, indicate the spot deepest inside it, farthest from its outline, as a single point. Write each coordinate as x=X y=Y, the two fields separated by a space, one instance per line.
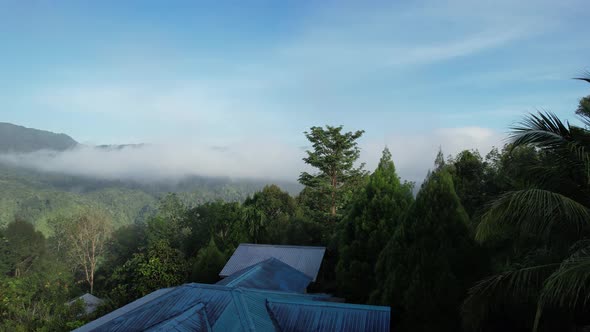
x=580 y=247
x=496 y=291
x=535 y=211
x=585 y=76
x=569 y=286
x=546 y=131
x=547 y=175
x=555 y=175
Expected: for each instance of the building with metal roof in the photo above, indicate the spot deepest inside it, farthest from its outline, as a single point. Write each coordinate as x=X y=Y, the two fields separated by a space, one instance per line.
x=268 y=295
x=303 y=258
x=201 y=307
x=271 y=274
x=89 y=301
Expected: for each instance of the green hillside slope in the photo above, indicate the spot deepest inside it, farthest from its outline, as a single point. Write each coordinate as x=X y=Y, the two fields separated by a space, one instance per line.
x=15 y=138
x=38 y=196
x=38 y=204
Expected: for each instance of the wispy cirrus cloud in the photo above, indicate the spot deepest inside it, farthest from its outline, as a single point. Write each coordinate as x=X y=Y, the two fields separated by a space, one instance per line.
x=461 y=47
x=393 y=35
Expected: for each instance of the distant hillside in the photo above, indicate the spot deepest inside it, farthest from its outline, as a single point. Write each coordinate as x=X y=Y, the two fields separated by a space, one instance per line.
x=15 y=138
x=37 y=204
x=37 y=196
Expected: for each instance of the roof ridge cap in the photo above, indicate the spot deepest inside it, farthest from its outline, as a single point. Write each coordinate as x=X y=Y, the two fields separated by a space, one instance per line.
x=196 y=308
x=280 y=245
x=253 y=268
x=331 y=304
x=242 y=309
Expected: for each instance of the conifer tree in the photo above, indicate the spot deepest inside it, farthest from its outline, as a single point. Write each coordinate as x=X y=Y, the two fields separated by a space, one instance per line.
x=368 y=226
x=209 y=262
x=424 y=270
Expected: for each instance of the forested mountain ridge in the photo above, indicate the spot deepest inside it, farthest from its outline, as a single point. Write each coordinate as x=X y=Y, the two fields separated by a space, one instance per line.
x=37 y=196
x=14 y=138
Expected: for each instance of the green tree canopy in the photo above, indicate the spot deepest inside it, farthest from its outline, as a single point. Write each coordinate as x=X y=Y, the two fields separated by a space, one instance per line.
x=37 y=301
x=365 y=230
x=220 y=221
x=334 y=154
x=550 y=211
x=123 y=243
x=20 y=247
x=208 y=264
x=424 y=270
x=267 y=214
x=159 y=266
x=167 y=223
x=468 y=169
x=273 y=202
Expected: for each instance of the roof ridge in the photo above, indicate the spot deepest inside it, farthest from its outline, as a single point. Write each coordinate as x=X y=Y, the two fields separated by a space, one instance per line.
x=153 y=302
x=332 y=304
x=278 y=292
x=189 y=311
x=241 y=278
x=242 y=310
x=273 y=258
x=210 y=286
x=272 y=315
x=281 y=246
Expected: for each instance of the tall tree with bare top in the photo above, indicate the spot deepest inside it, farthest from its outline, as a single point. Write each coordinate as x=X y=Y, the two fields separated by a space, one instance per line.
x=87 y=234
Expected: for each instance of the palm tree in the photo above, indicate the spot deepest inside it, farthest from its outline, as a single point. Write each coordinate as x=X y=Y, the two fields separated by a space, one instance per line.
x=553 y=209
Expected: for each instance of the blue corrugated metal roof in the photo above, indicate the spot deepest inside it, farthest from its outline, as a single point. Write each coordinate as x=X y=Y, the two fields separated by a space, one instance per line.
x=170 y=305
x=303 y=258
x=266 y=295
x=193 y=319
x=271 y=274
x=327 y=316
x=200 y=307
x=92 y=326
x=255 y=303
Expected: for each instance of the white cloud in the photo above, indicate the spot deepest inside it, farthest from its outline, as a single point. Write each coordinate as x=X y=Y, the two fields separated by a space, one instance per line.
x=466 y=45
x=247 y=159
x=265 y=158
x=395 y=36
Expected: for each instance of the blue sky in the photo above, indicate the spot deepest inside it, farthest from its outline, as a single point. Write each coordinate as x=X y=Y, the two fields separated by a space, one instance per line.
x=415 y=75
